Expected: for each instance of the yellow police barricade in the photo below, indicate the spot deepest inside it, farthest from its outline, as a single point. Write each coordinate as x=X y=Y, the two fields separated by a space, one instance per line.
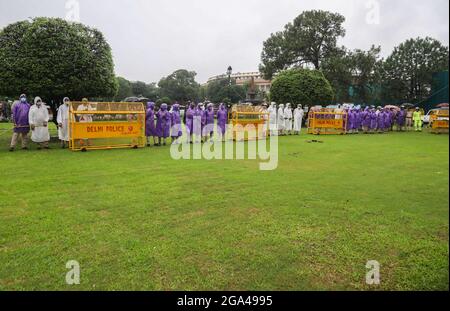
x=249 y=122
x=106 y=125
x=440 y=123
x=327 y=122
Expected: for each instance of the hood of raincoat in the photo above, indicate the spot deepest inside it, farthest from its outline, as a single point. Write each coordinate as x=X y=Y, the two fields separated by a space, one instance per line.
x=37 y=99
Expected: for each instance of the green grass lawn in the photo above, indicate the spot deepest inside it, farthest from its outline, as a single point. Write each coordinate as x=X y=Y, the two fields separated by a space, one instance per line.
x=138 y=220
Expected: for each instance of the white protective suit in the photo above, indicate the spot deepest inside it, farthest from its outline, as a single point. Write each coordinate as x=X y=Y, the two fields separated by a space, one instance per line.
x=63 y=119
x=298 y=117
x=288 y=118
x=272 y=117
x=281 y=118
x=38 y=117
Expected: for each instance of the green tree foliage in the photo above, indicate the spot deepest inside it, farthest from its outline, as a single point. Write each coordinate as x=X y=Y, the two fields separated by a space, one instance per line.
x=148 y=90
x=407 y=72
x=221 y=89
x=356 y=69
x=301 y=86
x=53 y=58
x=180 y=86
x=124 y=89
x=137 y=89
x=163 y=100
x=308 y=40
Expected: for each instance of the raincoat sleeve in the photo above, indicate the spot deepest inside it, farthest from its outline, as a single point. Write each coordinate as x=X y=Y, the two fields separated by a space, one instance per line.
x=46 y=115
x=59 y=116
x=15 y=114
x=31 y=116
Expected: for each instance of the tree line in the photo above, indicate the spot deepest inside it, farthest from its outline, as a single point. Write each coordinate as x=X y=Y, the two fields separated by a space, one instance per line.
x=310 y=41
x=53 y=58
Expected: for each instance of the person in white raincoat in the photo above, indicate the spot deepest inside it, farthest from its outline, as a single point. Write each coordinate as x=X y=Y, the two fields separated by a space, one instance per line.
x=85 y=118
x=280 y=119
x=298 y=118
x=288 y=119
x=38 y=119
x=272 y=118
x=63 y=122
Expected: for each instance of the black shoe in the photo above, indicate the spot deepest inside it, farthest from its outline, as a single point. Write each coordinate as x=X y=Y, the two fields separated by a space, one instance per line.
x=25 y=148
x=148 y=145
x=47 y=147
x=11 y=149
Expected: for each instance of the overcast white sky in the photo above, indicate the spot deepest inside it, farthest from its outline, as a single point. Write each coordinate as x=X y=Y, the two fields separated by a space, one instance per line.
x=152 y=38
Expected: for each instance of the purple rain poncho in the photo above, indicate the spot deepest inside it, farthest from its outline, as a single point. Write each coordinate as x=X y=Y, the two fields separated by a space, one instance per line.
x=373 y=120
x=349 y=120
x=401 y=117
x=358 y=118
x=222 y=118
x=209 y=119
x=387 y=119
x=163 y=122
x=175 y=130
x=20 y=117
x=366 y=118
x=198 y=120
x=190 y=113
x=150 y=129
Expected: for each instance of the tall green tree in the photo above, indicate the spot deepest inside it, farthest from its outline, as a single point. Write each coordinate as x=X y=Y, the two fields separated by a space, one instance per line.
x=301 y=86
x=180 y=86
x=307 y=41
x=407 y=72
x=354 y=69
x=220 y=89
x=53 y=58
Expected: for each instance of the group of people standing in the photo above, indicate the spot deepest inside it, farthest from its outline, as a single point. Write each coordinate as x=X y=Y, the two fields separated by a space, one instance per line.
x=381 y=120
x=35 y=118
x=199 y=121
x=284 y=121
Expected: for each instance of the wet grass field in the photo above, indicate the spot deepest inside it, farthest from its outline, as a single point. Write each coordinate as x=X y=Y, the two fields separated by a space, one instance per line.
x=139 y=220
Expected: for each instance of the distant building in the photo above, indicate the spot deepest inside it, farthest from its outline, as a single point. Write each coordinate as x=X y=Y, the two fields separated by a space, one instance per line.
x=245 y=77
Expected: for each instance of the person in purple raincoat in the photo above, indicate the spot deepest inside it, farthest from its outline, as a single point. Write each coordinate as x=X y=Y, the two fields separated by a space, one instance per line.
x=351 y=120
x=393 y=114
x=150 y=129
x=365 y=120
x=203 y=122
x=359 y=119
x=373 y=120
x=355 y=121
x=209 y=122
x=190 y=112
x=387 y=114
x=163 y=124
x=175 y=121
x=20 y=113
x=222 y=120
x=379 y=120
x=401 y=119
